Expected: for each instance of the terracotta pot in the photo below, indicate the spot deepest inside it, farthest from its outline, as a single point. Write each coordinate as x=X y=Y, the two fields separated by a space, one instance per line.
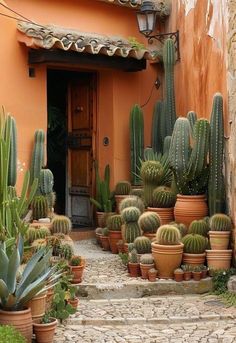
x=187 y=275
x=98 y=237
x=45 y=332
x=121 y=248
x=166 y=214
x=77 y=272
x=219 y=240
x=167 y=258
x=144 y=270
x=49 y=298
x=151 y=236
x=194 y=259
x=152 y=276
x=114 y=237
x=219 y=259
x=197 y=276
x=179 y=276
x=73 y=302
x=204 y=273
x=105 y=243
x=134 y=269
x=190 y=207
x=119 y=198
x=21 y=320
x=38 y=306
x=126 y=250
x=38 y=224
x=100 y=216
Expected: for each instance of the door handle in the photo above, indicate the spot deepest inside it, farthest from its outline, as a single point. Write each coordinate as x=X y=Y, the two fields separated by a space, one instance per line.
x=79 y=109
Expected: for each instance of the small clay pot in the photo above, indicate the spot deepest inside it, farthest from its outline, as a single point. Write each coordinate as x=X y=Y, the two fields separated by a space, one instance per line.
x=197 y=276
x=134 y=269
x=152 y=275
x=178 y=276
x=187 y=275
x=204 y=273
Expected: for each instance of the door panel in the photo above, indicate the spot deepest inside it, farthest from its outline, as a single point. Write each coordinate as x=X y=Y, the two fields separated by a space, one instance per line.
x=80 y=145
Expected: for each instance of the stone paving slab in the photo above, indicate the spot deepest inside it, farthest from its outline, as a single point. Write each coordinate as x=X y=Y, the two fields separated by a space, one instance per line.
x=204 y=332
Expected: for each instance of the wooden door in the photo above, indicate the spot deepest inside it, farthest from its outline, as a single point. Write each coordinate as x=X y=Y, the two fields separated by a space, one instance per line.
x=80 y=144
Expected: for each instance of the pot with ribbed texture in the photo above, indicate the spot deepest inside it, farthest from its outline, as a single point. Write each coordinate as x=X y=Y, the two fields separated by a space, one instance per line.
x=166 y=214
x=219 y=259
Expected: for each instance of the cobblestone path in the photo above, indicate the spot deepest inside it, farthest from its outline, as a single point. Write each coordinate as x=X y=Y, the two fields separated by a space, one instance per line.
x=177 y=319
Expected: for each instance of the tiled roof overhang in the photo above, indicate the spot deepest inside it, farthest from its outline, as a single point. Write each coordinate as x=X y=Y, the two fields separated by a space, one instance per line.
x=53 y=37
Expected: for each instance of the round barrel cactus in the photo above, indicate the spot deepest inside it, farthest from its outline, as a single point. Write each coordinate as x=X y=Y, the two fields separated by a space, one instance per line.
x=46 y=181
x=194 y=244
x=123 y=188
x=39 y=207
x=130 y=214
x=163 y=197
x=149 y=222
x=132 y=231
x=168 y=235
x=61 y=224
x=181 y=227
x=146 y=259
x=199 y=227
x=142 y=245
x=220 y=222
x=115 y=222
x=130 y=201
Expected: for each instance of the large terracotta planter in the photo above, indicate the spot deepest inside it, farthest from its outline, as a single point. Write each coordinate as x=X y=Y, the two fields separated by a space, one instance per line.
x=219 y=259
x=45 y=332
x=166 y=214
x=105 y=243
x=219 y=240
x=194 y=259
x=119 y=198
x=190 y=207
x=144 y=270
x=77 y=272
x=167 y=258
x=38 y=307
x=114 y=237
x=21 y=320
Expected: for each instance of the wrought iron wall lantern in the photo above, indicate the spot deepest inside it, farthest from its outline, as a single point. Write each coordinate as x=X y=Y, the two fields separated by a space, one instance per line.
x=146 y=18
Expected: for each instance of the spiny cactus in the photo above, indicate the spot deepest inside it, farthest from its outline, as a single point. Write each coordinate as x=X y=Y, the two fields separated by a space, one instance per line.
x=166 y=146
x=181 y=227
x=151 y=174
x=199 y=227
x=46 y=181
x=130 y=247
x=39 y=207
x=163 y=197
x=149 y=222
x=192 y=118
x=123 y=188
x=114 y=222
x=44 y=231
x=139 y=192
x=131 y=201
x=133 y=258
x=158 y=127
x=130 y=214
x=105 y=231
x=142 y=245
x=146 y=259
x=169 y=103
x=51 y=199
x=61 y=224
x=168 y=235
x=216 y=186
x=132 y=231
x=66 y=251
x=136 y=142
x=12 y=167
x=39 y=244
x=54 y=243
x=194 y=244
x=220 y=222
x=37 y=161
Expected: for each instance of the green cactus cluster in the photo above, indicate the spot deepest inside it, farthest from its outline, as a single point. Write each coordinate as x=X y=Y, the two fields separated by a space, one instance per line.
x=37 y=161
x=220 y=222
x=122 y=188
x=168 y=235
x=199 y=227
x=149 y=222
x=39 y=207
x=131 y=201
x=115 y=222
x=130 y=216
x=163 y=197
x=66 y=251
x=142 y=245
x=133 y=256
x=146 y=259
x=61 y=224
x=194 y=244
x=34 y=233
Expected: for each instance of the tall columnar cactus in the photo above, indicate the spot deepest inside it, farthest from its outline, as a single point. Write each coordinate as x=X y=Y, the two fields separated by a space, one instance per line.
x=149 y=222
x=194 y=244
x=169 y=62
x=199 y=227
x=142 y=245
x=12 y=169
x=136 y=142
x=61 y=224
x=216 y=187
x=158 y=127
x=163 y=197
x=166 y=146
x=130 y=216
x=168 y=235
x=192 y=117
x=189 y=164
x=39 y=207
x=46 y=181
x=37 y=161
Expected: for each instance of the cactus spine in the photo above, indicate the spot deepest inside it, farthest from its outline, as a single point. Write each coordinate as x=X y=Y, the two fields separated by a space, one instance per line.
x=146 y=259
x=39 y=207
x=192 y=118
x=220 y=222
x=12 y=168
x=136 y=142
x=130 y=216
x=61 y=224
x=169 y=62
x=158 y=127
x=149 y=222
x=123 y=188
x=199 y=227
x=194 y=244
x=114 y=223
x=46 y=181
x=142 y=245
x=168 y=235
x=163 y=197
x=151 y=174
x=130 y=201
x=216 y=190
x=37 y=161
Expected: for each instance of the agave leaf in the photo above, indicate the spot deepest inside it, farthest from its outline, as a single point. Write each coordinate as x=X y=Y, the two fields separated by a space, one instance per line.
x=3 y=264
x=14 y=263
x=31 y=292
x=31 y=264
x=20 y=245
x=4 y=293
x=24 y=191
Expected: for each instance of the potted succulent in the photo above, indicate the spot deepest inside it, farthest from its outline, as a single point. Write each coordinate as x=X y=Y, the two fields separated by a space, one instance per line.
x=143 y=245
x=45 y=329
x=199 y=227
x=133 y=264
x=114 y=224
x=77 y=265
x=146 y=263
x=194 y=249
x=122 y=190
x=105 y=239
x=187 y=269
x=98 y=233
x=179 y=274
x=72 y=298
x=167 y=251
x=163 y=202
x=197 y=273
x=220 y=229
x=204 y=270
x=130 y=216
x=132 y=201
x=152 y=274
x=149 y=222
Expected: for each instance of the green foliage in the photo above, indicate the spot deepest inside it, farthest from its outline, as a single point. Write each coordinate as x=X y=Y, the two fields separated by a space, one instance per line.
x=133 y=258
x=163 y=197
x=220 y=279
x=149 y=222
x=122 y=188
x=131 y=201
x=114 y=223
x=76 y=261
x=194 y=244
x=143 y=245
x=168 y=235
x=220 y=222
x=136 y=126
x=124 y=258
x=130 y=214
x=135 y=44
x=146 y=259
x=8 y=334
x=61 y=224
x=199 y=227
x=39 y=207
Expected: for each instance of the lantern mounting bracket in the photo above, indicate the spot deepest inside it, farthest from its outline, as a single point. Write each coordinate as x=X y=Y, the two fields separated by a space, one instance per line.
x=161 y=37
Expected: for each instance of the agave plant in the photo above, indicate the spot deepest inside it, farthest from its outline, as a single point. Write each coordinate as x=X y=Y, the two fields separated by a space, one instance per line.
x=37 y=276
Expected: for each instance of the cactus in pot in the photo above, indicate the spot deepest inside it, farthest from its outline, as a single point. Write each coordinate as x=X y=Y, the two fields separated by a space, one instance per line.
x=146 y=263
x=122 y=188
x=199 y=227
x=39 y=207
x=220 y=222
x=130 y=216
x=168 y=235
x=133 y=263
x=114 y=224
x=220 y=230
x=61 y=224
x=163 y=197
x=142 y=245
x=194 y=249
x=149 y=222
x=131 y=201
